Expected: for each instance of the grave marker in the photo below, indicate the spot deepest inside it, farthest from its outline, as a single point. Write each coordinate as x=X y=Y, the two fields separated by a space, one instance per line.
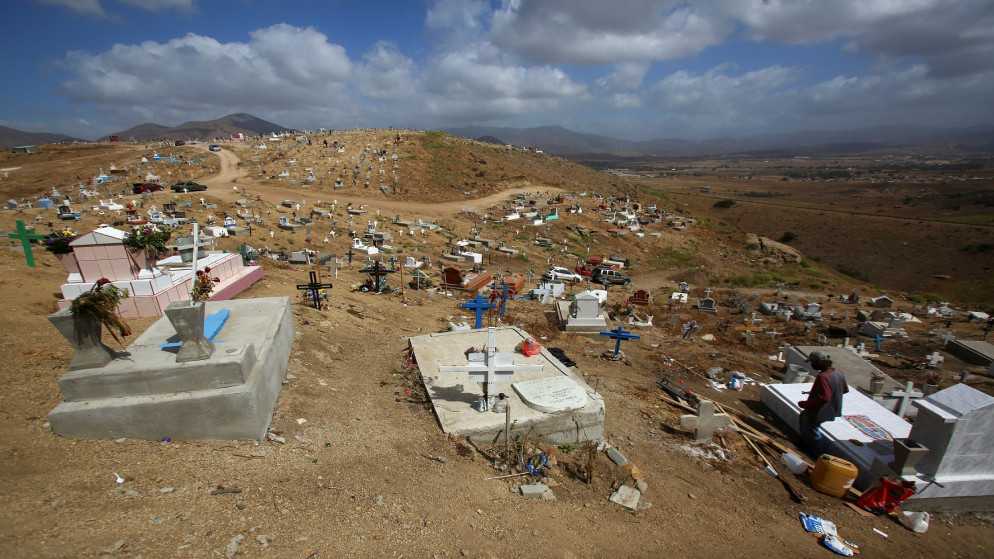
x=26 y=237
x=705 y=422
x=478 y=305
x=618 y=335
x=490 y=367
x=313 y=288
x=905 y=395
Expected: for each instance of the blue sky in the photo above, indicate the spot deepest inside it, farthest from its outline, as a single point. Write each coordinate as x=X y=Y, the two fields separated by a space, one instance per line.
x=633 y=69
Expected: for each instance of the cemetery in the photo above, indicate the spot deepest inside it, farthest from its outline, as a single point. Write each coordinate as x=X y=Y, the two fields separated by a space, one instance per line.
x=468 y=388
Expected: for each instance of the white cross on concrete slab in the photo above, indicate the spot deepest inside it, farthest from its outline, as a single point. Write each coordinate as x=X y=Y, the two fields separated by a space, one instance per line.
x=490 y=367
x=705 y=422
x=905 y=395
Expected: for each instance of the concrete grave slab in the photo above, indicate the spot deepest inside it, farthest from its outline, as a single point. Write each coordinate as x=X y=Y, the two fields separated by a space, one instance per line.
x=974 y=352
x=782 y=399
x=148 y=395
x=454 y=397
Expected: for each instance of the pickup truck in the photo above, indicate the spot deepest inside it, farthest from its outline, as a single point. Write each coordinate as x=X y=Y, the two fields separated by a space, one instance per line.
x=606 y=276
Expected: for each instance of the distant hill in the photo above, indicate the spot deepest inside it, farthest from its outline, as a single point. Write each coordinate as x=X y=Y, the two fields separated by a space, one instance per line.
x=233 y=125
x=578 y=146
x=10 y=137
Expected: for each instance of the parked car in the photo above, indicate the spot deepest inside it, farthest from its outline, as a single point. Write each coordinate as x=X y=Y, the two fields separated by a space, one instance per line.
x=214 y=147
x=188 y=186
x=555 y=273
x=143 y=187
x=606 y=276
x=180 y=143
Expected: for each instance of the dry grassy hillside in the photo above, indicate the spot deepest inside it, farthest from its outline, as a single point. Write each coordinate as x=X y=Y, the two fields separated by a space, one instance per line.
x=363 y=468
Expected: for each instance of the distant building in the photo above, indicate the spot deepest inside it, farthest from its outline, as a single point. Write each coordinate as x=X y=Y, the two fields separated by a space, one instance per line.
x=24 y=149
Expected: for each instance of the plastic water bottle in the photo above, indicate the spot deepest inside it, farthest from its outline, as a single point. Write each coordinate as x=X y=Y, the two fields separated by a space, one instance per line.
x=794 y=463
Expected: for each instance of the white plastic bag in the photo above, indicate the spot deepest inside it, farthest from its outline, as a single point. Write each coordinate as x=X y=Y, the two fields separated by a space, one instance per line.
x=915 y=521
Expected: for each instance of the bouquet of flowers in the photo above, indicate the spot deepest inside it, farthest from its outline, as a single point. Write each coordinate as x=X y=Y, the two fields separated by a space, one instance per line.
x=58 y=242
x=203 y=285
x=148 y=237
x=101 y=302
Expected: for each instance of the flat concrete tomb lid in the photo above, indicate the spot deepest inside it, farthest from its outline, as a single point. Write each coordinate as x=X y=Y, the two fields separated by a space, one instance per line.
x=551 y=394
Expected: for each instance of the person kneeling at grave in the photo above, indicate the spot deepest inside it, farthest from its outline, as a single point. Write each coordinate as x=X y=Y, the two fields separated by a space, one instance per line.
x=824 y=402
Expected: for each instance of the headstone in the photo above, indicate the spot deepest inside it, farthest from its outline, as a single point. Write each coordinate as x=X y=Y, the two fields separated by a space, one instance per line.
x=551 y=394
x=705 y=422
x=707 y=305
x=905 y=397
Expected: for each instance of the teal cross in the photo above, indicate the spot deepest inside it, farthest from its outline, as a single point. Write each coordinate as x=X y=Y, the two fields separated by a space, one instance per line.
x=26 y=237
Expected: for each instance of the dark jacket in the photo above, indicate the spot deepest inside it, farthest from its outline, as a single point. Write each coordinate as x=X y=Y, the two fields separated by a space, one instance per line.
x=824 y=403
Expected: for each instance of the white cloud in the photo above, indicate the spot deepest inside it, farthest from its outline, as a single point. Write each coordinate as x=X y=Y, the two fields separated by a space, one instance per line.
x=601 y=32
x=164 y=5
x=91 y=8
x=484 y=82
x=387 y=74
x=281 y=65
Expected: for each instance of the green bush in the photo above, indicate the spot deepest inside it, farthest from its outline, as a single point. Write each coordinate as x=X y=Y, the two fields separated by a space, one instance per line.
x=726 y=203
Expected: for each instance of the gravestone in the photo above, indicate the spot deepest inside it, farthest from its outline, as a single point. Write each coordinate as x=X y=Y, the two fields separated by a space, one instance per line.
x=904 y=397
x=705 y=422
x=584 y=315
x=551 y=394
x=707 y=305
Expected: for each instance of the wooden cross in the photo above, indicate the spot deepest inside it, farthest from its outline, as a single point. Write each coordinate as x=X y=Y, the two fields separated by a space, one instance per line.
x=478 y=305
x=618 y=335
x=705 y=422
x=376 y=273
x=349 y=255
x=26 y=237
x=313 y=288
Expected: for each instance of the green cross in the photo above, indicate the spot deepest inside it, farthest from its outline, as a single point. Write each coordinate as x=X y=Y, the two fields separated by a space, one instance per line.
x=26 y=237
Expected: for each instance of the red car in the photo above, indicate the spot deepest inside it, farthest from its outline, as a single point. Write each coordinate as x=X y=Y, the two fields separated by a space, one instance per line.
x=143 y=187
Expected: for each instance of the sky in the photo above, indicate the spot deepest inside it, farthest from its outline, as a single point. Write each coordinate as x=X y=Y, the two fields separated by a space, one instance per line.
x=630 y=69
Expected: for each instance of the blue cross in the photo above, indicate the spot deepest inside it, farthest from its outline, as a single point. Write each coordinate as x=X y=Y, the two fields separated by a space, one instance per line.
x=212 y=325
x=478 y=305
x=878 y=338
x=619 y=335
x=503 y=299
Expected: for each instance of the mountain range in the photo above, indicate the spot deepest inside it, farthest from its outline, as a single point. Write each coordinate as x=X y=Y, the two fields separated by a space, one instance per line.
x=576 y=145
x=231 y=125
x=583 y=146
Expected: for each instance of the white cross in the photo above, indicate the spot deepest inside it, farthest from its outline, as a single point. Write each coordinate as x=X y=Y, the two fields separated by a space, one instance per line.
x=905 y=395
x=705 y=422
x=490 y=367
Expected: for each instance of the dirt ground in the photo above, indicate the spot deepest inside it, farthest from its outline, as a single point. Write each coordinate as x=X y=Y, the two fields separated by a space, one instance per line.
x=365 y=470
